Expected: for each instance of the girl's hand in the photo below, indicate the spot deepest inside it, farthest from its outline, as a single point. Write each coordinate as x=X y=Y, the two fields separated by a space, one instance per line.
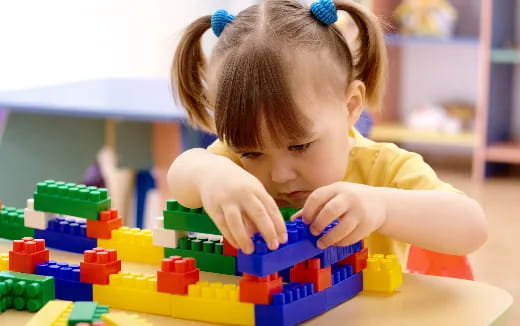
x=240 y=206
x=355 y=205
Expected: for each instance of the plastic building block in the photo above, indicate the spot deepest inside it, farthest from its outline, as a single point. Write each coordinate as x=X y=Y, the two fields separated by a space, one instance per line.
x=96 y=323
x=12 y=224
x=101 y=229
x=357 y=260
x=332 y=255
x=176 y=274
x=287 y=212
x=67 y=234
x=25 y=291
x=54 y=313
x=383 y=274
x=71 y=199
x=98 y=264
x=208 y=253
x=213 y=302
x=256 y=289
x=89 y=312
x=178 y=217
x=134 y=245
x=26 y=254
x=229 y=250
x=4 y=262
x=66 y=281
x=166 y=238
x=34 y=219
x=299 y=302
x=124 y=319
x=134 y=292
x=310 y=271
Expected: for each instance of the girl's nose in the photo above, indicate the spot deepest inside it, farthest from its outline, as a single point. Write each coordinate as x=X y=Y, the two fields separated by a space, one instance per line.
x=281 y=172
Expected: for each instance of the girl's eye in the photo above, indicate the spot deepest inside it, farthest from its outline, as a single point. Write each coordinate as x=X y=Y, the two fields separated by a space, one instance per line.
x=251 y=155
x=300 y=148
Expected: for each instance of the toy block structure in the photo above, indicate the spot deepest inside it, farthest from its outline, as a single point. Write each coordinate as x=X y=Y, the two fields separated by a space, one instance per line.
x=134 y=245
x=4 y=262
x=26 y=254
x=213 y=302
x=208 y=253
x=34 y=219
x=334 y=254
x=255 y=289
x=298 y=301
x=67 y=234
x=86 y=312
x=12 y=225
x=124 y=319
x=165 y=238
x=71 y=199
x=357 y=260
x=134 y=292
x=54 y=313
x=98 y=264
x=25 y=291
x=383 y=274
x=176 y=274
x=66 y=281
x=310 y=271
x=102 y=228
x=178 y=217
x=229 y=250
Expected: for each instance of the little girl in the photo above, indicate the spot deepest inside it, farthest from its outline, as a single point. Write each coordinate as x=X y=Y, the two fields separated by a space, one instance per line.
x=282 y=90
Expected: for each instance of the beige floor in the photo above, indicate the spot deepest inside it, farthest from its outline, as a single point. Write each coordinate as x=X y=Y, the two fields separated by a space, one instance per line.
x=498 y=261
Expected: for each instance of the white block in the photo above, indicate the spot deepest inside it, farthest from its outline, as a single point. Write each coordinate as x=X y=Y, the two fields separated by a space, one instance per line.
x=166 y=238
x=34 y=219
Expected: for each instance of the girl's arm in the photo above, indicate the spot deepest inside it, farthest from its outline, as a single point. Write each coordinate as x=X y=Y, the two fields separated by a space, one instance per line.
x=437 y=220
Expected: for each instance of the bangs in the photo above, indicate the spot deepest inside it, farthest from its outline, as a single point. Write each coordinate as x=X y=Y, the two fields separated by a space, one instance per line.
x=253 y=92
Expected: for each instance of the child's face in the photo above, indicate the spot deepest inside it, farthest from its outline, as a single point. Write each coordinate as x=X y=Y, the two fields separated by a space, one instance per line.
x=291 y=171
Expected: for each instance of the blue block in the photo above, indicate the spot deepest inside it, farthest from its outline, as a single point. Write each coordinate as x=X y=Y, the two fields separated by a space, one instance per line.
x=67 y=235
x=332 y=255
x=298 y=302
x=300 y=247
x=66 y=281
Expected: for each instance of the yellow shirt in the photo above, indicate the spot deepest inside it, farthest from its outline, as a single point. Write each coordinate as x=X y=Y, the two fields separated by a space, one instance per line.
x=379 y=165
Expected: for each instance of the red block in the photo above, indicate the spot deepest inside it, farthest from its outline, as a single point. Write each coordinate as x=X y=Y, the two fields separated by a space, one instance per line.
x=259 y=290
x=102 y=228
x=176 y=274
x=26 y=254
x=98 y=264
x=357 y=260
x=229 y=250
x=310 y=272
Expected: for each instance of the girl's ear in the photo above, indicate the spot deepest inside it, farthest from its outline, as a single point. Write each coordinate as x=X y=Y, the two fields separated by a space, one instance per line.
x=355 y=95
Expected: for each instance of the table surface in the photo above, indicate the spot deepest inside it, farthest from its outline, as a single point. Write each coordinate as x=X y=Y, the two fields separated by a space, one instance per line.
x=424 y=300
x=128 y=99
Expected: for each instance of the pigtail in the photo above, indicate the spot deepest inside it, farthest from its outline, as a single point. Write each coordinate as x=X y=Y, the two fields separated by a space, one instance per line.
x=188 y=75
x=370 y=59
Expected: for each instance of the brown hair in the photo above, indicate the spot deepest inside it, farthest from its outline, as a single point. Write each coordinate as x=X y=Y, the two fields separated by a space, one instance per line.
x=252 y=58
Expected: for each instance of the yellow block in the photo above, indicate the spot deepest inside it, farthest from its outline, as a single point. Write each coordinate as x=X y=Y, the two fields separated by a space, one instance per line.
x=54 y=313
x=4 y=262
x=213 y=302
x=134 y=245
x=134 y=292
x=383 y=274
x=124 y=319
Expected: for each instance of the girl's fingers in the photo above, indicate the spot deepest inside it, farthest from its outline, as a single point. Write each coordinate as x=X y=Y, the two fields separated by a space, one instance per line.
x=256 y=212
x=329 y=212
x=217 y=216
x=356 y=235
x=297 y=214
x=275 y=215
x=345 y=226
x=315 y=202
x=233 y=217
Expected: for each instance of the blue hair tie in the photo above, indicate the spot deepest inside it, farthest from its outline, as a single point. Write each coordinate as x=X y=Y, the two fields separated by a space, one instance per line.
x=325 y=11
x=219 y=20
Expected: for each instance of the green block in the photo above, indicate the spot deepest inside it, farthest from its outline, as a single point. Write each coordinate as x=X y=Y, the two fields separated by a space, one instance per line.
x=12 y=224
x=178 y=217
x=71 y=199
x=287 y=212
x=208 y=254
x=25 y=291
x=86 y=311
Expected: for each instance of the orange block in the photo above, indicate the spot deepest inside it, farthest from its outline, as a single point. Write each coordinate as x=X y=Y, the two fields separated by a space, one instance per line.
x=102 y=228
x=357 y=260
x=259 y=290
x=309 y=271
